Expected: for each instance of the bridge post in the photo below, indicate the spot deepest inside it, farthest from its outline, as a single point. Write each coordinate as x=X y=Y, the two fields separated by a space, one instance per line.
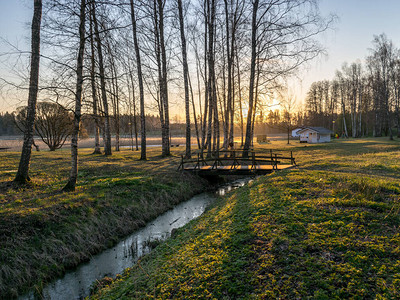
x=181 y=164
x=198 y=162
x=234 y=162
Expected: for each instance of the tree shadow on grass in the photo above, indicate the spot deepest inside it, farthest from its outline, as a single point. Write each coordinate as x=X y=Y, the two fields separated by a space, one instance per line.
x=5 y=186
x=237 y=277
x=351 y=147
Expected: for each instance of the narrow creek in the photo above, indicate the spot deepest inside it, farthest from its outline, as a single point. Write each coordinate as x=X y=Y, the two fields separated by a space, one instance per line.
x=76 y=284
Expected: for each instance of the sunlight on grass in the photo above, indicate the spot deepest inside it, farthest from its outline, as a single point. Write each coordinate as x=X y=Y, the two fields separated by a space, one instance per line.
x=326 y=230
x=43 y=231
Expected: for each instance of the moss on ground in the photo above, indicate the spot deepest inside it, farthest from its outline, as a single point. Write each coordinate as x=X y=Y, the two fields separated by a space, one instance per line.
x=327 y=230
x=44 y=232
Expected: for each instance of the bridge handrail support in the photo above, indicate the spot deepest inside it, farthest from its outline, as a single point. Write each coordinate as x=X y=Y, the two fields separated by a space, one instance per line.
x=292 y=160
x=253 y=160
x=181 y=165
x=275 y=163
x=235 y=161
x=197 y=166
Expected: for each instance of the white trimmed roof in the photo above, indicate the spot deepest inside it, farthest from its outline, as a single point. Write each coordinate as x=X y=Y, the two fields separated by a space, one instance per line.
x=320 y=130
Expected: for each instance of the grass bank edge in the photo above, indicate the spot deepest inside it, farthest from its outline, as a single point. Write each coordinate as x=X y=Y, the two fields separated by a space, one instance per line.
x=45 y=232
x=309 y=233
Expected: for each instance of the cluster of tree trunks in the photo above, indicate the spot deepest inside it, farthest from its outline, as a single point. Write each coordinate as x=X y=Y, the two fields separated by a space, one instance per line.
x=124 y=47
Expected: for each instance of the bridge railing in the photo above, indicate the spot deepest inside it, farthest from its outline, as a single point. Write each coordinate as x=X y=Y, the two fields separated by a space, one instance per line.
x=235 y=158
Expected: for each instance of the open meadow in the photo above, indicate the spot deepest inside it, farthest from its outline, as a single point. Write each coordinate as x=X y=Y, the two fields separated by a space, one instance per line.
x=328 y=229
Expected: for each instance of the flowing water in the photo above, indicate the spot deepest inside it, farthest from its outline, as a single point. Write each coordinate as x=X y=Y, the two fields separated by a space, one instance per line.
x=76 y=284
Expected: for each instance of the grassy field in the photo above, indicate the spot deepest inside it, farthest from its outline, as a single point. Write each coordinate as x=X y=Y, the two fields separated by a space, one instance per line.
x=43 y=232
x=328 y=229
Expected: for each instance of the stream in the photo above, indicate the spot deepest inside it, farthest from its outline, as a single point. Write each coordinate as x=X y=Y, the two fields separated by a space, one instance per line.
x=75 y=284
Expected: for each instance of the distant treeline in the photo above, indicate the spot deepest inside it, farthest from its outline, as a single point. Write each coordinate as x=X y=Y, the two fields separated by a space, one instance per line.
x=127 y=127
x=7 y=125
x=362 y=99
x=272 y=122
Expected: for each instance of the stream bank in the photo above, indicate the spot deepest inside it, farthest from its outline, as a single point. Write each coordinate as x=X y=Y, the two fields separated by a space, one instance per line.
x=78 y=283
x=44 y=233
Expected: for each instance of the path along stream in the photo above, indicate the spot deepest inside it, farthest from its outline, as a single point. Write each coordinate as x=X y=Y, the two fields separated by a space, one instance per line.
x=76 y=283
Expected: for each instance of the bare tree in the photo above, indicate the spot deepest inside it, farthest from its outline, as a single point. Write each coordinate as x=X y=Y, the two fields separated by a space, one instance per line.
x=395 y=78
x=185 y=79
x=23 y=168
x=380 y=64
x=141 y=88
x=282 y=38
x=53 y=123
x=233 y=16
x=107 y=130
x=211 y=84
x=97 y=149
x=70 y=186
x=252 y=78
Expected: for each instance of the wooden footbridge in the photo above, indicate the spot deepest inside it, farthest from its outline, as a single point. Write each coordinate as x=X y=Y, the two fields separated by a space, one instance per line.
x=233 y=162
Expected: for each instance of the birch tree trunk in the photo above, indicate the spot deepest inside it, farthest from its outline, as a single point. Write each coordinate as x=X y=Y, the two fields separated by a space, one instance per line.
x=70 y=186
x=185 y=80
x=204 y=129
x=248 y=138
x=344 y=118
x=107 y=130
x=97 y=149
x=115 y=97
x=160 y=95
x=23 y=168
x=211 y=77
x=164 y=87
x=397 y=115
x=134 y=110
x=230 y=43
x=240 y=100
x=196 y=126
x=141 y=89
x=229 y=60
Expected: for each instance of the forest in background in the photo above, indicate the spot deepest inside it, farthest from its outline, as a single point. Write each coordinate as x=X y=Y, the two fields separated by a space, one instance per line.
x=367 y=94
x=272 y=122
x=220 y=63
x=362 y=99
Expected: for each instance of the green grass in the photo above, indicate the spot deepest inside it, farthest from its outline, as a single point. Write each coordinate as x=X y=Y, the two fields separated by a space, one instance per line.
x=326 y=230
x=44 y=232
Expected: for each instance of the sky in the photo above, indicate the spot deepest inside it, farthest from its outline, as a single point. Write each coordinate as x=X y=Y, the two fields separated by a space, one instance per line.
x=351 y=36
x=15 y=19
x=348 y=40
